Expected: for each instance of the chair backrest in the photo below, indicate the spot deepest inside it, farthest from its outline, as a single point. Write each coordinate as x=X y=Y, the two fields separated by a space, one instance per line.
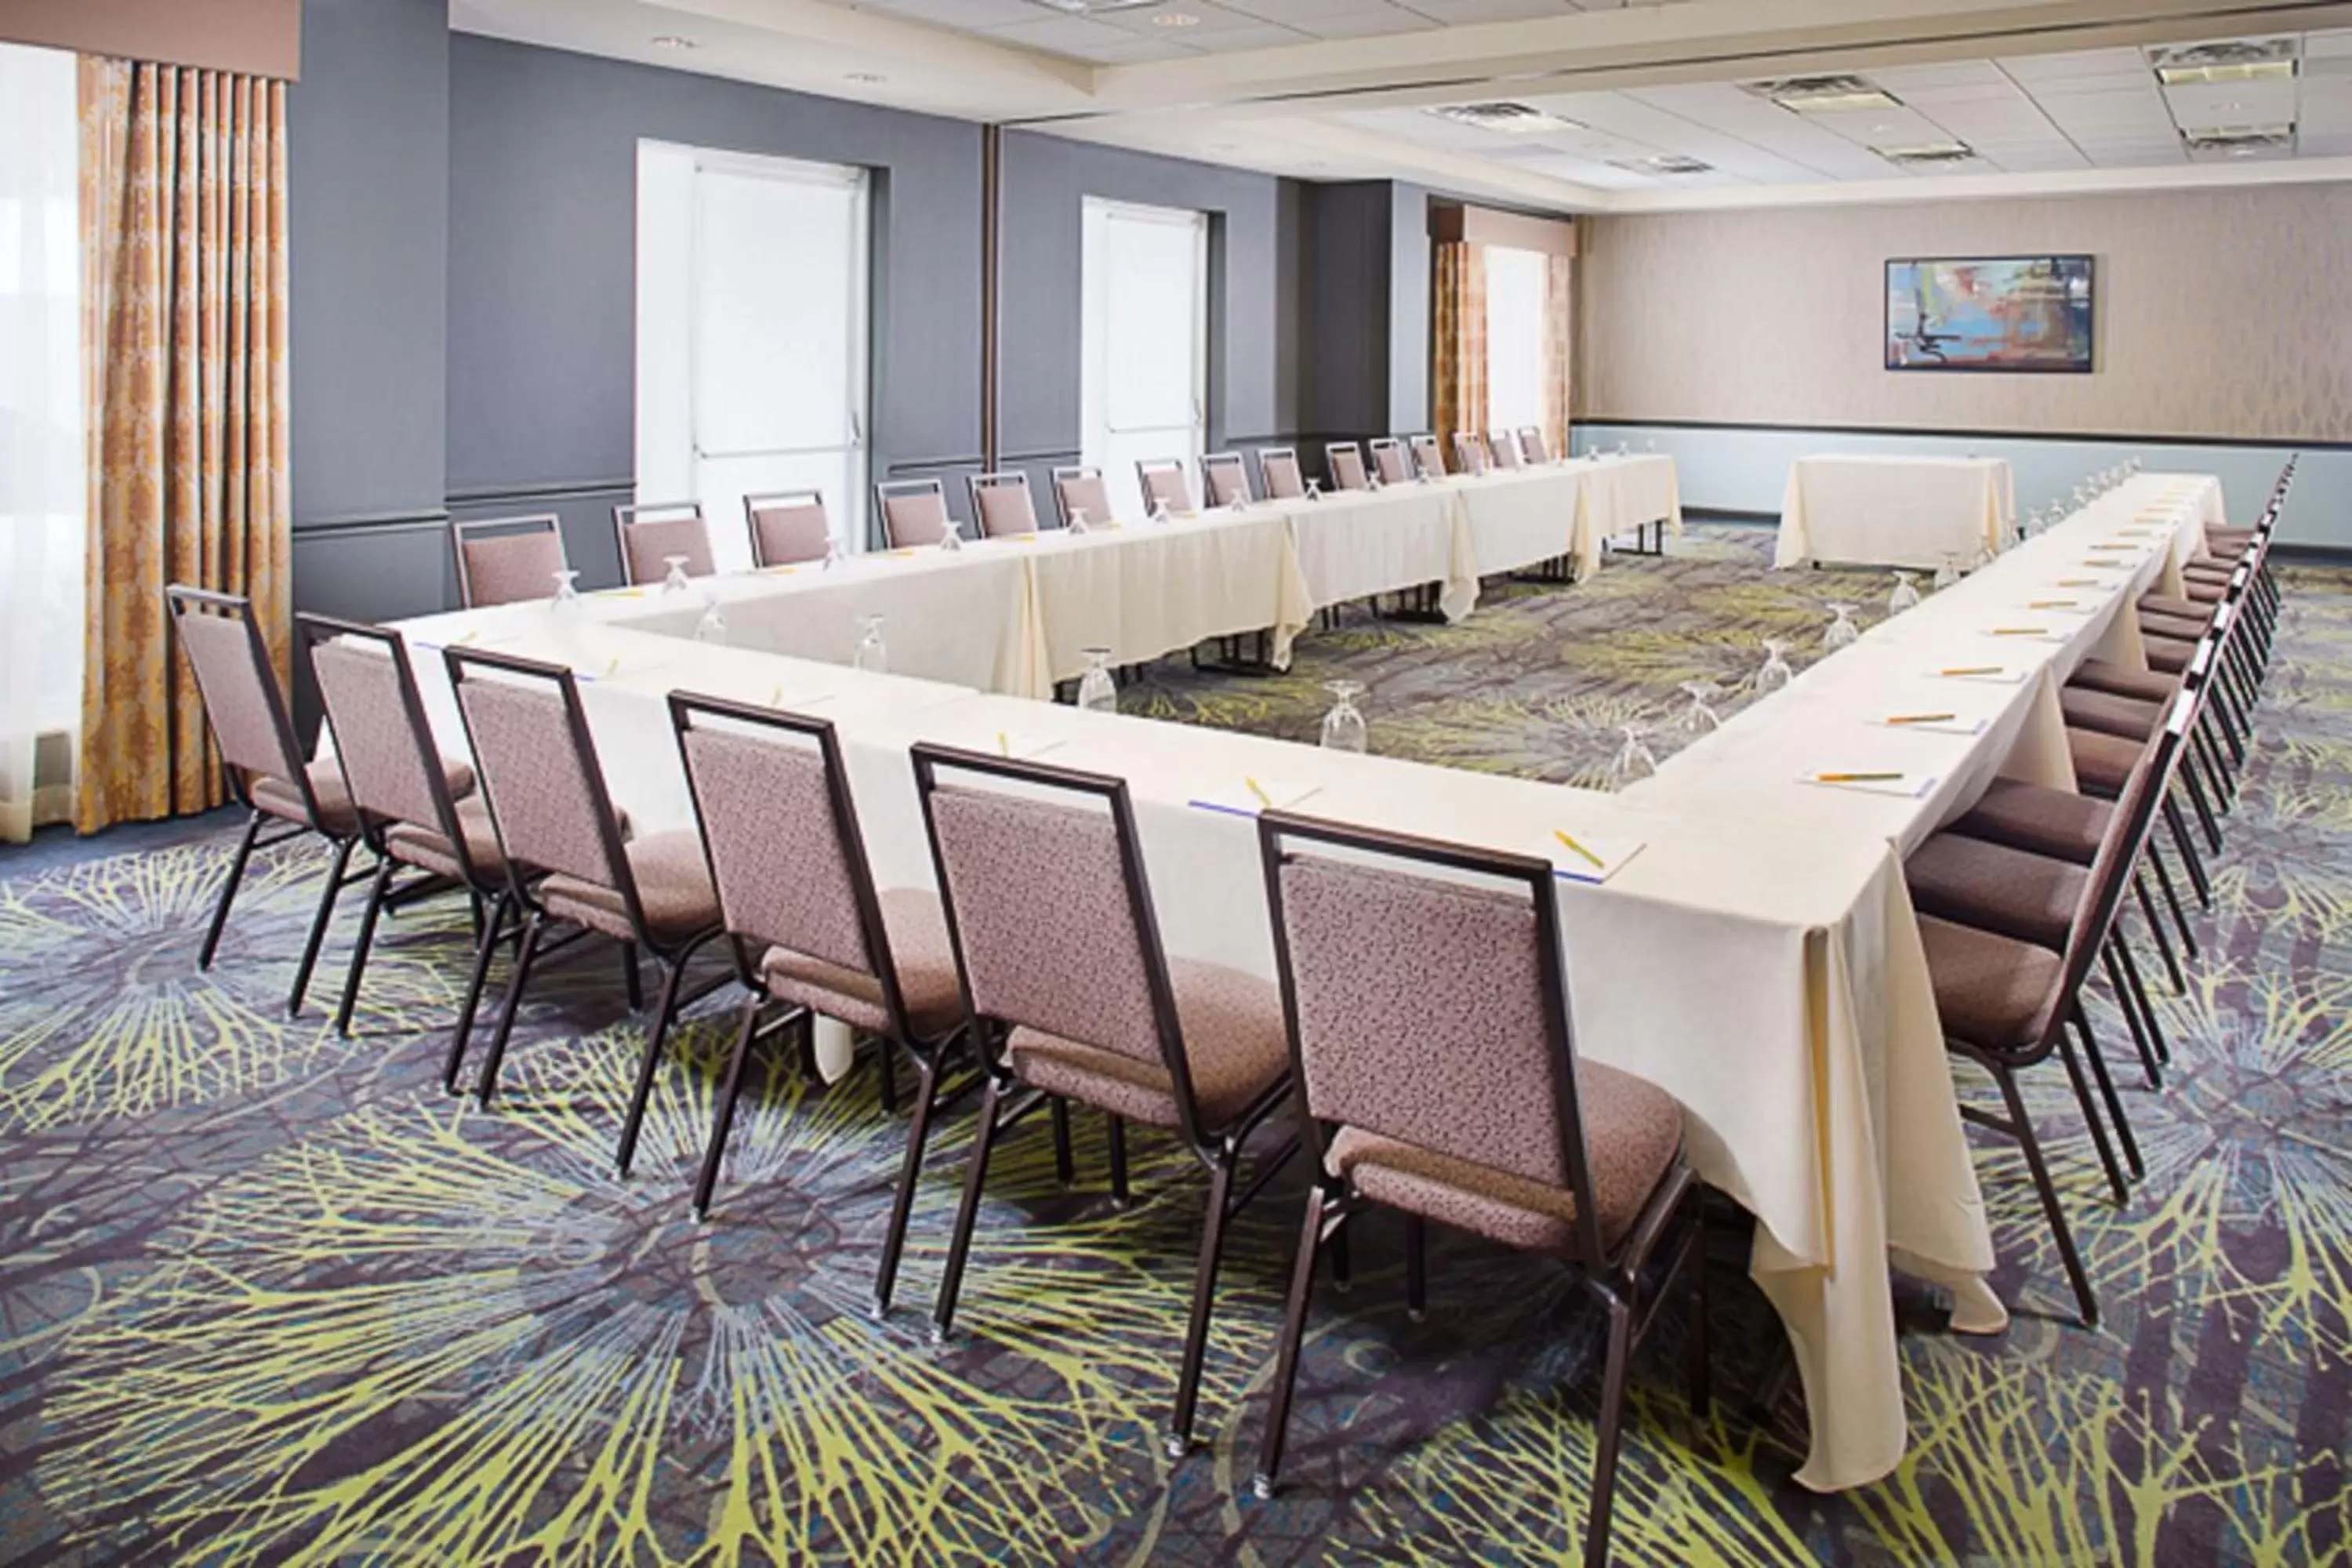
x=507 y=560
x=650 y=535
x=1469 y=452
x=780 y=832
x=1345 y=462
x=1164 y=483
x=914 y=512
x=382 y=740
x=1506 y=449
x=1047 y=906
x=1002 y=504
x=1278 y=468
x=1426 y=1007
x=1391 y=461
x=1533 y=448
x=1428 y=456
x=538 y=771
x=789 y=526
x=244 y=702
x=1081 y=489
x=1225 y=478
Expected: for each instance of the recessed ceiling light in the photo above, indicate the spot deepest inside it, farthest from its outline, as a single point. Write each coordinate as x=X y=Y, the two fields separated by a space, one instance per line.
x=675 y=41
x=1823 y=94
x=1663 y=163
x=1511 y=119
x=2231 y=59
x=1175 y=20
x=1928 y=152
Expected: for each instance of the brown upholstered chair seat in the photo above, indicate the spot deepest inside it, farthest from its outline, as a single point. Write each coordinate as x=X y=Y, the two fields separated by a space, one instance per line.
x=1995 y=887
x=2098 y=675
x=2102 y=763
x=428 y=849
x=2176 y=609
x=2168 y=655
x=2054 y=821
x=1632 y=1131
x=919 y=949
x=2130 y=717
x=2204 y=592
x=280 y=797
x=673 y=887
x=1991 y=991
x=2162 y=625
x=2217 y=537
x=2206 y=570
x=1235 y=1046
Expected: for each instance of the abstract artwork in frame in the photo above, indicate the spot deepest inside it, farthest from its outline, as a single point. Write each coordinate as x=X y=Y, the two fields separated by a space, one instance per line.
x=2010 y=312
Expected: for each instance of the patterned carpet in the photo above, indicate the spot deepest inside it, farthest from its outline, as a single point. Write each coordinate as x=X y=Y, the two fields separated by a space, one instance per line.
x=267 y=1295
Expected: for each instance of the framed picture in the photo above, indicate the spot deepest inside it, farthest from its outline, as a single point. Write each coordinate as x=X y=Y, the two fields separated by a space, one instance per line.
x=1997 y=312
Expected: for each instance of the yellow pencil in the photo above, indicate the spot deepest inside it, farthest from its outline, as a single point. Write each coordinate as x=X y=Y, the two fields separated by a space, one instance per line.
x=1598 y=864
x=1002 y=745
x=2019 y=631
x=1264 y=799
x=1921 y=718
x=1972 y=669
x=1853 y=778
x=2050 y=603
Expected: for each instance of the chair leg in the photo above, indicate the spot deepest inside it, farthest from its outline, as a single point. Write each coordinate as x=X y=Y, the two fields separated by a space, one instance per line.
x=2189 y=857
x=1205 y=1291
x=911 y=1170
x=228 y=890
x=529 y=950
x=673 y=975
x=2205 y=818
x=1343 y=1275
x=975 y=1175
x=2107 y=1093
x=2156 y=1039
x=2023 y=1127
x=2156 y=929
x=2172 y=897
x=1699 y=1360
x=723 y=1120
x=632 y=978
x=1065 y=1168
x=327 y=896
x=376 y=890
x=2095 y=1121
x=1612 y=1421
x=486 y=944
x=1294 y=1329
x=1115 y=1128
x=1416 y=1269
x=886 y=1077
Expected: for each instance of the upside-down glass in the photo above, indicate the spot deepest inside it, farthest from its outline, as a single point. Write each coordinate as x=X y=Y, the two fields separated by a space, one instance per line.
x=712 y=626
x=676 y=580
x=1343 y=727
x=951 y=537
x=871 y=655
x=1097 y=693
x=1314 y=489
x=1905 y=595
x=1635 y=760
x=1700 y=716
x=1843 y=631
x=1077 y=523
x=1775 y=672
x=567 y=590
x=1948 y=572
x=1160 y=512
x=833 y=555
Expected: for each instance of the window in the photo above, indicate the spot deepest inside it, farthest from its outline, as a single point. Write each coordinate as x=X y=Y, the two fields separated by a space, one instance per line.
x=1143 y=369
x=42 y=472
x=1514 y=338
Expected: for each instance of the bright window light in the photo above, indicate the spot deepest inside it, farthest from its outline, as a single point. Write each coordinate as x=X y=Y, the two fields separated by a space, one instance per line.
x=1514 y=338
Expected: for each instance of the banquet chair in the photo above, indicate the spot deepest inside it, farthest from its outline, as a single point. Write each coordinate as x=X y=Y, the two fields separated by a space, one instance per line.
x=914 y=512
x=400 y=788
x=507 y=560
x=651 y=536
x=1427 y=456
x=1002 y=504
x=1079 y=492
x=1506 y=449
x=1345 y=462
x=554 y=821
x=2007 y=1003
x=1532 y=445
x=1469 y=452
x=1070 y=997
x=807 y=929
x=1163 y=483
x=1391 y=461
x=246 y=708
x=1278 y=468
x=1424 y=995
x=1224 y=479
x=788 y=527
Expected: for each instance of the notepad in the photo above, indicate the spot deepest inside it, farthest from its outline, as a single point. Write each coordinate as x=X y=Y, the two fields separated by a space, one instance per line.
x=1607 y=855
x=615 y=668
x=1902 y=786
x=1020 y=745
x=1237 y=795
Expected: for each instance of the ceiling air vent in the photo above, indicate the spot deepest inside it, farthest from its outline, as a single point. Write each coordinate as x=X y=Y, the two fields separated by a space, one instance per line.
x=1663 y=163
x=1931 y=155
x=2233 y=59
x=1511 y=119
x=2238 y=141
x=1823 y=94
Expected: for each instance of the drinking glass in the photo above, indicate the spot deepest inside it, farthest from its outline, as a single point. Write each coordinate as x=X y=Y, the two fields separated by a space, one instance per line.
x=833 y=555
x=1624 y=448
x=712 y=626
x=1775 y=672
x=1160 y=512
x=1905 y=595
x=1314 y=489
x=1097 y=693
x=676 y=580
x=871 y=656
x=1343 y=727
x=567 y=590
x=1635 y=760
x=1077 y=519
x=1700 y=716
x=1948 y=572
x=951 y=537
x=1843 y=631
x=1651 y=445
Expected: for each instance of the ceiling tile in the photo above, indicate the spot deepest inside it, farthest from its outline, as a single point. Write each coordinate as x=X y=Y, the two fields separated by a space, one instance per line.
x=963 y=14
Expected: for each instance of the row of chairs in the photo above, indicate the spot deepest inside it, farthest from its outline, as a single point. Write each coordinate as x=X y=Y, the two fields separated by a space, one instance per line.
x=1037 y=972
x=2027 y=895
x=511 y=559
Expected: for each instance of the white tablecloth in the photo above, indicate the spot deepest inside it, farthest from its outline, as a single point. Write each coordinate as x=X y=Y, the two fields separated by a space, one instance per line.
x=1894 y=511
x=1355 y=545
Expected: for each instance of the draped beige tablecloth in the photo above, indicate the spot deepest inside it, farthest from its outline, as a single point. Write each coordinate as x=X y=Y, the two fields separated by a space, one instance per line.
x=1894 y=511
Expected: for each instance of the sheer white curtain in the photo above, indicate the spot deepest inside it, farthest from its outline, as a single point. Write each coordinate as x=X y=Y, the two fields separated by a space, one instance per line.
x=1514 y=338
x=41 y=457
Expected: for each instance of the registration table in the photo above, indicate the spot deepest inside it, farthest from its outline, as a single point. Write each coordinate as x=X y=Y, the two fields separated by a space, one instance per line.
x=1896 y=511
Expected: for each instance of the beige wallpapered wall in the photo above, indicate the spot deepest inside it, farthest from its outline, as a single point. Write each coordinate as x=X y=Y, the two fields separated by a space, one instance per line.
x=2219 y=314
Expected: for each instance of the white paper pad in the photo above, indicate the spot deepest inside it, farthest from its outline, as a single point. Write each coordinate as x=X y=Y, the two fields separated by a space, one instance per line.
x=1236 y=797
x=1019 y=746
x=1938 y=726
x=614 y=668
x=1611 y=852
x=1910 y=786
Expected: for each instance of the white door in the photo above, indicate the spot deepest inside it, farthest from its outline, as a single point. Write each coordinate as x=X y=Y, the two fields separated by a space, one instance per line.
x=1143 y=382
x=752 y=362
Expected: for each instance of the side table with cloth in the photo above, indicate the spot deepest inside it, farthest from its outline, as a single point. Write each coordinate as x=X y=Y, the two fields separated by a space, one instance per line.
x=1894 y=511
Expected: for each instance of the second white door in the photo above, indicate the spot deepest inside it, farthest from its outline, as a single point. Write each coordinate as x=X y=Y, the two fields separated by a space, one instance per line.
x=1143 y=382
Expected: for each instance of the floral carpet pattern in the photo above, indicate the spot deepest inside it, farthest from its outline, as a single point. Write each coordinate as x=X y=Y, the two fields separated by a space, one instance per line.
x=270 y=1295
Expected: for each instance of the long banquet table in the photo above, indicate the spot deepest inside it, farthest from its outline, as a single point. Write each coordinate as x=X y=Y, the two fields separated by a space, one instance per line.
x=1894 y=511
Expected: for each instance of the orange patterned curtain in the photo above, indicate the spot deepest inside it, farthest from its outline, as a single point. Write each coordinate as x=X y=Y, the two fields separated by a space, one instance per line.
x=184 y=229
x=1458 y=340
x=1558 y=340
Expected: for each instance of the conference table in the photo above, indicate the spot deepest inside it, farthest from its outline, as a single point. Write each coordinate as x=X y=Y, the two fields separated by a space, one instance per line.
x=1916 y=511
x=1773 y=980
